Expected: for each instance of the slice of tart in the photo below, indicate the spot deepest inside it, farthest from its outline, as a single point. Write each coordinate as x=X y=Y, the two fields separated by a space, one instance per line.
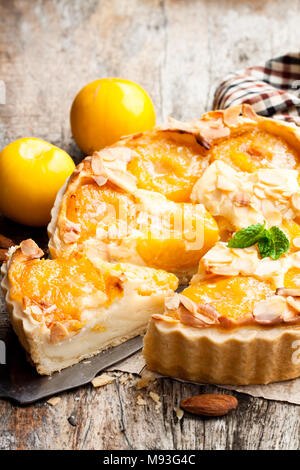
x=102 y=207
x=68 y=309
x=237 y=323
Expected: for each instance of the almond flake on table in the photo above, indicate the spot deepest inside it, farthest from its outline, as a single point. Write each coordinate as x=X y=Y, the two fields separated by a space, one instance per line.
x=125 y=378
x=179 y=413
x=53 y=401
x=140 y=400
x=155 y=398
x=102 y=380
x=146 y=377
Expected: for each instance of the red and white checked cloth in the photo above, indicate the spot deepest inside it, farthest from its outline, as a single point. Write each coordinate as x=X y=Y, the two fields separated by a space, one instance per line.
x=273 y=89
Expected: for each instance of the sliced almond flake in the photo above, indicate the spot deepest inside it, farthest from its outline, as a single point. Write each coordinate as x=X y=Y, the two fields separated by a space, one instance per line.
x=102 y=380
x=179 y=413
x=202 y=311
x=219 y=254
x=259 y=192
x=188 y=303
x=140 y=400
x=35 y=310
x=195 y=319
x=295 y=303
x=241 y=199
x=58 y=332
x=100 y=180
x=296 y=201
x=231 y=115
x=173 y=302
x=30 y=249
x=122 y=179
x=270 y=177
x=285 y=292
x=248 y=112
x=125 y=378
x=204 y=130
x=267 y=268
x=269 y=311
x=117 y=153
x=223 y=270
x=225 y=184
x=97 y=164
x=155 y=398
x=70 y=236
x=146 y=377
x=53 y=401
x=296 y=242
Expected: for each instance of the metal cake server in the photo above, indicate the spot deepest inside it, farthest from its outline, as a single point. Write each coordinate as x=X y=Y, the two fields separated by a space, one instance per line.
x=20 y=382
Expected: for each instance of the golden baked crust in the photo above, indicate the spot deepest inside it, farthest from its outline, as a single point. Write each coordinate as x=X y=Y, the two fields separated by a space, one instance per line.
x=242 y=356
x=104 y=304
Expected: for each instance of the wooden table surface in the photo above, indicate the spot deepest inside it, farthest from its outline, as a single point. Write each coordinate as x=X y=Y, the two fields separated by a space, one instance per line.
x=177 y=50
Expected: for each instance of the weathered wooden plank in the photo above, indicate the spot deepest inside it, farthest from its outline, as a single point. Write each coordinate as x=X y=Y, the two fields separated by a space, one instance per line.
x=109 y=418
x=177 y=51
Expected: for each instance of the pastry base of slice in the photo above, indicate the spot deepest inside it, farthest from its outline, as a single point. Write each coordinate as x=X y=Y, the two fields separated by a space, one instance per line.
x=52 y=344
x=242 y=356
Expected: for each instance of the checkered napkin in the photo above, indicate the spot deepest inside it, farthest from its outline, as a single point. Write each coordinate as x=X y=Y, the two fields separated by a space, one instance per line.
x=272 y=89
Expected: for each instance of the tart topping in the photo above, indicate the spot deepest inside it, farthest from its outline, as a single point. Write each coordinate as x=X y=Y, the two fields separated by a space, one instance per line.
x=294 y=303
x=226 y=261
x=30 y=249
x=205 y=131
x=212 y=126
x=57 y=332
x=288 y=292
x=248 y=198
x=191 y=313
x=269 y=311
x=241 y=199
x=248 y=112
x=231 y=115
x=111 y=164
x=71 y=231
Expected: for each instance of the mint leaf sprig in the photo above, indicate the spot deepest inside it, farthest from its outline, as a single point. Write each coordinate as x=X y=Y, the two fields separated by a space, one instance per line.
x=271 y=242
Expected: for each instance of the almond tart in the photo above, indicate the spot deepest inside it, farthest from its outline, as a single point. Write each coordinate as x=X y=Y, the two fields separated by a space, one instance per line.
x=238 y=322
x=68 y=309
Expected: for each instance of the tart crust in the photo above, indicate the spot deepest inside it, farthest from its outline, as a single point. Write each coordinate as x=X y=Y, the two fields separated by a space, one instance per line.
x=242 y=356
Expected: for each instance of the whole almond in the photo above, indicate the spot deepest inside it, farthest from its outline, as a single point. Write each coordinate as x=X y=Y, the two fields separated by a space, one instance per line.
x=209 y=404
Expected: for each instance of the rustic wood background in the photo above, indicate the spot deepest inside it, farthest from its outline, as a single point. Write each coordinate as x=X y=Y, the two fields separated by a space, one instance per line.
x=177 y=50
